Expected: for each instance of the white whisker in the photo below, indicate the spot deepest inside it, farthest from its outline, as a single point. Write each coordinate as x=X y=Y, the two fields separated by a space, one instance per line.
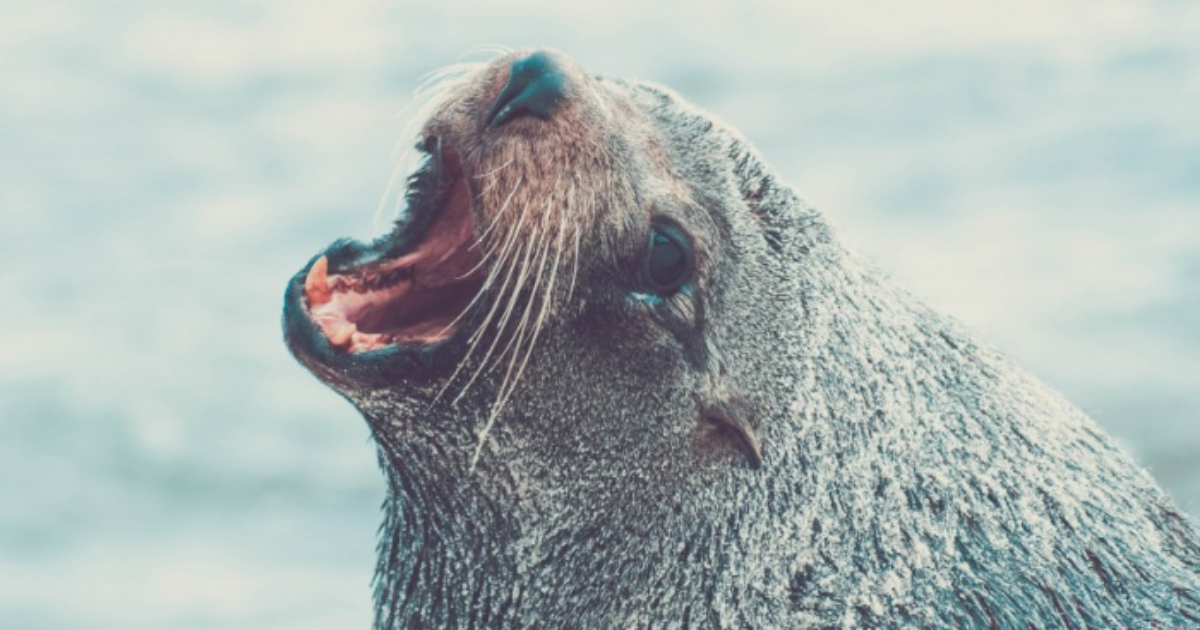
x=513 y=297
x=541 y=267
x=493 y=172
x=492 y=224
x=501 y=264
x=494 y=50
x=546 y=294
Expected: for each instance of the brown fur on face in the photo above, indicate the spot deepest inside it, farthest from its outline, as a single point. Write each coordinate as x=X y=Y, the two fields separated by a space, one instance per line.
x=592 y=173
x=556 y=200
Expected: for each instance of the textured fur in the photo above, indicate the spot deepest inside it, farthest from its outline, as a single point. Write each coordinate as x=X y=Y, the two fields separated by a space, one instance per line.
x=910 y=476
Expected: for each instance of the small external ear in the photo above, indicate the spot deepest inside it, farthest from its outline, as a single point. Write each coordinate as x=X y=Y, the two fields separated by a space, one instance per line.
x=727 y=412
x=732 y=421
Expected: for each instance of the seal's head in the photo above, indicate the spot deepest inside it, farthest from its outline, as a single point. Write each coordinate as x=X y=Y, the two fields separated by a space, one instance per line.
x=621 y=376
x=557 y=264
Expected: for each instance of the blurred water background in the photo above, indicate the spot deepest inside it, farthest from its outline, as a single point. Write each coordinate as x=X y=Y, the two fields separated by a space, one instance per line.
x=1031 y=166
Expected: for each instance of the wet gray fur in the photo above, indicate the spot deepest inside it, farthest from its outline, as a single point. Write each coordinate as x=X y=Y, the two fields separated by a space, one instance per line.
x=911 y=476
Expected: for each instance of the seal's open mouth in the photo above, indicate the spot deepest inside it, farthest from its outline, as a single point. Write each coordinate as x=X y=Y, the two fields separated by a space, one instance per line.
x=410 y=288
x=414 y=299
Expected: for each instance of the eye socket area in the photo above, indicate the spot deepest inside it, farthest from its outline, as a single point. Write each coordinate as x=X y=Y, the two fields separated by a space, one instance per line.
x=668 y=262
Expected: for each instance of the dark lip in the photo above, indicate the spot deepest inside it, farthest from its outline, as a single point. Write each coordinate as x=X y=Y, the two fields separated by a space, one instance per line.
x=397 y=362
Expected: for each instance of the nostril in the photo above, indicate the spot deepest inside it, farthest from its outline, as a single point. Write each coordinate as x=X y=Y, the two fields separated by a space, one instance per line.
x=535 y=87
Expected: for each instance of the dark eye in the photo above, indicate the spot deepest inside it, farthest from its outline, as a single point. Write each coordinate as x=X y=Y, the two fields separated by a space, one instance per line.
x=669 y=262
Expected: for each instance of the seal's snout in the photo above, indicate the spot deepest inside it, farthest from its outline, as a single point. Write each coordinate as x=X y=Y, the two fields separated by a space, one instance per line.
x=536 y=86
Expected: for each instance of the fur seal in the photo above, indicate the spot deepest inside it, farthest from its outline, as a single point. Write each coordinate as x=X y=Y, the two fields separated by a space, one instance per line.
x=621 y=376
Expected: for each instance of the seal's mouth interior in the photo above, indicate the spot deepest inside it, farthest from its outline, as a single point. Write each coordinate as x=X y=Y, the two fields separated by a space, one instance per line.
x=416 y=297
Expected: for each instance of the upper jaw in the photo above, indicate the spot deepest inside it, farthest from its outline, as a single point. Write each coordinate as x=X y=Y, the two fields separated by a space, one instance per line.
x=401 y=307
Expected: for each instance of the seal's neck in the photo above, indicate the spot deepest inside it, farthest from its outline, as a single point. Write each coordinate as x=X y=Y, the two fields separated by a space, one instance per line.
x=444 y=557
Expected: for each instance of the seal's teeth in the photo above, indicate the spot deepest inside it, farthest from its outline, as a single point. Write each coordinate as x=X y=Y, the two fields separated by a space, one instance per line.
x=316 y=285
x=362 y=342
x=341 y=337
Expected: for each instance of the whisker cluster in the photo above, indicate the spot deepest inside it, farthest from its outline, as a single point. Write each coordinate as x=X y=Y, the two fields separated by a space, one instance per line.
x=525 y=243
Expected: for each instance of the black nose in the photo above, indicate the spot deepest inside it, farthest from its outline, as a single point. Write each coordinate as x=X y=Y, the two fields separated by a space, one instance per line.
x=535 y=88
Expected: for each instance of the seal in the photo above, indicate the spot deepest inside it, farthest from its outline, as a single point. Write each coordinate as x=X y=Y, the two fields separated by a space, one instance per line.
x=620 y=375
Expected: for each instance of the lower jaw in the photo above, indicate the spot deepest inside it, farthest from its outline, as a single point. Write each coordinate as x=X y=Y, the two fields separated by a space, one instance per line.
x=392 y=365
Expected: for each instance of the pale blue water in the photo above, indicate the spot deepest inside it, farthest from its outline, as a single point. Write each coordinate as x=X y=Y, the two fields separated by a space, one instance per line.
x=165 y=167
